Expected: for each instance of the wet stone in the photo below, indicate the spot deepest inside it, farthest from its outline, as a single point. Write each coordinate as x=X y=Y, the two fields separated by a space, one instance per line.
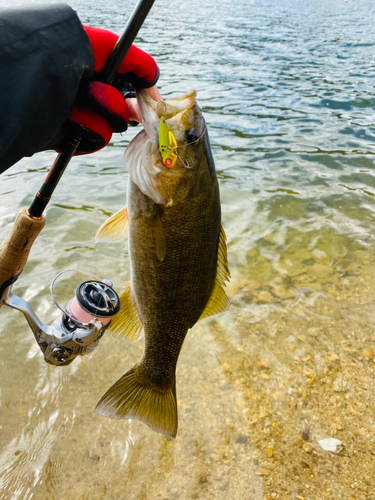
x=307 y=447
x=265 y=297
x=242 y=439
x=263 y=472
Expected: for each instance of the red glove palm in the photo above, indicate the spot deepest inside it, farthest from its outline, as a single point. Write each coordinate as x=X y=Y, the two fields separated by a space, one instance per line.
x=101 y=108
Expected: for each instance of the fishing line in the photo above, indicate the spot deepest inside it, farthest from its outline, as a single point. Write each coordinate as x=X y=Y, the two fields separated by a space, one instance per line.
x=58 y=305
x=186 y=165
x=173 y=150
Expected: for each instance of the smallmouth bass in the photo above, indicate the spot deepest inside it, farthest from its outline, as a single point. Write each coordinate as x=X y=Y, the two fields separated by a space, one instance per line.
x=177 y=251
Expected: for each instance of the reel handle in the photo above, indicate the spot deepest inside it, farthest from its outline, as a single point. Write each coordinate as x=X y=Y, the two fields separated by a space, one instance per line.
x=15 y=249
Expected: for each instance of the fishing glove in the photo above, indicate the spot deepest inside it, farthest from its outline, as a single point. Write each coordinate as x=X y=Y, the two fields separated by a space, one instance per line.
x=101 y=109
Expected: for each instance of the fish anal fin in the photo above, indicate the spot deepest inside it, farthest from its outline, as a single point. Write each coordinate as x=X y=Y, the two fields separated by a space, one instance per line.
x=134 y=397
x=127 y=322
x=218 y=301
x=116 y=227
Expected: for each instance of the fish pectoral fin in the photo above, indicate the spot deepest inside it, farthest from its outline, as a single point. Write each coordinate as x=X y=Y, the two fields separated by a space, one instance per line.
x=127 y=322
x=134 y=397
x=159 y=235
x=116 y=227
x=218 y=301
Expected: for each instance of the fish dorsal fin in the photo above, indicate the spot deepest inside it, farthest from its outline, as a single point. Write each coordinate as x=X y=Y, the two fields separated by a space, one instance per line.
x=159 y=235
x=116 y=227
x=218 y=301
x=127 y=322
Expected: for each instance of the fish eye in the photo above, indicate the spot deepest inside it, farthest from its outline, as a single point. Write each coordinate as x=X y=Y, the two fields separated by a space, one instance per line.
x=191 y=136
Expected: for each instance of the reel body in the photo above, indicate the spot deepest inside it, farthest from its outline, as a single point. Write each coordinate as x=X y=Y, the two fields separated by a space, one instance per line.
x=78 y=330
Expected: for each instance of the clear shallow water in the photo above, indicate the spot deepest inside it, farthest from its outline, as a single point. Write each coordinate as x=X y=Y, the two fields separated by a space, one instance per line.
x=287 y=89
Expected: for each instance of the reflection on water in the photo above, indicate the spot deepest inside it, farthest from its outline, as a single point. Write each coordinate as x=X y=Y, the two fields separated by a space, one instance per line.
x=287 y=92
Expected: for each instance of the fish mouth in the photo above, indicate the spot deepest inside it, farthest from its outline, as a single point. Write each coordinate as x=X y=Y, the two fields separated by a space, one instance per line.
x=167 y=121
x=153 y=158
x=171 y=109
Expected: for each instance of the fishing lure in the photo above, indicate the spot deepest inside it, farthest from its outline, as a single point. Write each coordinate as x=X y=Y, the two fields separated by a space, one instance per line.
x=167 y=144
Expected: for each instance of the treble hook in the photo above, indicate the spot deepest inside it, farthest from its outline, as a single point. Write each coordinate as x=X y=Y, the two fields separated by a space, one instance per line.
x=186 y=165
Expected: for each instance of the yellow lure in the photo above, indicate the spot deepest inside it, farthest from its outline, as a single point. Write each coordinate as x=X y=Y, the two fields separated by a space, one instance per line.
x=167 y=144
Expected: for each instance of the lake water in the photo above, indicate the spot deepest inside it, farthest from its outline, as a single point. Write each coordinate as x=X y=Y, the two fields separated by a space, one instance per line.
x=287 y=90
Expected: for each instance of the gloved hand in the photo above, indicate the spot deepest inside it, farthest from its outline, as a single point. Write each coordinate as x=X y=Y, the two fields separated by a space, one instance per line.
x=101 y=108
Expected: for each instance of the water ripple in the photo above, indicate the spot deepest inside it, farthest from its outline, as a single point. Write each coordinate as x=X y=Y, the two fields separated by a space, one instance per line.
x=287 y=90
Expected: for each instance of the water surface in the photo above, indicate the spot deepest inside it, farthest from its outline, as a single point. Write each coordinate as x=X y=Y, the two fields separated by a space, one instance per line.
x=287 y=90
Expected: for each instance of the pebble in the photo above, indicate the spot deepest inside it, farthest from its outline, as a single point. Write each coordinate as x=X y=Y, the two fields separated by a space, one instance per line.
x=307 y=447
x=265 y=296
x=263 y=472
x=320 y=270
x=331 y=444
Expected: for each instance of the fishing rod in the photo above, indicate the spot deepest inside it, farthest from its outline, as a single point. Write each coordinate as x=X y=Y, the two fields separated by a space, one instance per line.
x=78 y=330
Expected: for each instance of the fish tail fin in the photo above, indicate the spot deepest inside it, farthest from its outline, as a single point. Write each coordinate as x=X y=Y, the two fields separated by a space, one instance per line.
x=133 y=396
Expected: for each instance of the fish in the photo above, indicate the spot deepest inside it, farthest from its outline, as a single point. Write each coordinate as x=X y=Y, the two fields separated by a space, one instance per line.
x=178 y=255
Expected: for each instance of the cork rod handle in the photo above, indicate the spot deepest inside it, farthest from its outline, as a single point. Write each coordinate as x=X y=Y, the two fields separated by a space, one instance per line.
x=15 y=249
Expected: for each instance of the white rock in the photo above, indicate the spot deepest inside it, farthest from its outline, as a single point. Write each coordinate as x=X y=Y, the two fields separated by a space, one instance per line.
x=331 y=444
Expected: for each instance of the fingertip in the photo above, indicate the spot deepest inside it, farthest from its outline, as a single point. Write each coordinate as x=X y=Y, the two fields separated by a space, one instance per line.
x=154 y=93
x=134 y=111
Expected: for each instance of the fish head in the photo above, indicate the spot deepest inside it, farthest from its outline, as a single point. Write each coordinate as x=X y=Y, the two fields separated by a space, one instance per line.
x=164 y=160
